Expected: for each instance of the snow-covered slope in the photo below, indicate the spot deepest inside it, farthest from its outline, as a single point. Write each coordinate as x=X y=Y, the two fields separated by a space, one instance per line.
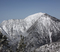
x=38 y=29
x=15 y=27
x=53 y=47
x=32 y=19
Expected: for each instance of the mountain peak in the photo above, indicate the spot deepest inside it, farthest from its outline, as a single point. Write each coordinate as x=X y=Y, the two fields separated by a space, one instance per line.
x=34 y=16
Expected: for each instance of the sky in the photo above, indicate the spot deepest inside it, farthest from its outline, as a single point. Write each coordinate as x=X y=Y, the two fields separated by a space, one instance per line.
x=20 y=9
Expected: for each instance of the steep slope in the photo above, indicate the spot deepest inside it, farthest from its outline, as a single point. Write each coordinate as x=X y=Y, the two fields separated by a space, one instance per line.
x=2 y=31
x=30 y=20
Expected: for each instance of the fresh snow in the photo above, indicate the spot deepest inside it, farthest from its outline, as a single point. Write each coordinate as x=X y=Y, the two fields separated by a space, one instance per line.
x=32 y=19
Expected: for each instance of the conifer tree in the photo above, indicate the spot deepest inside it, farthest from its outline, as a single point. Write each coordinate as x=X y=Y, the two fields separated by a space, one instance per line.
x=3 y=41
x=4 y=46
x=21 y=45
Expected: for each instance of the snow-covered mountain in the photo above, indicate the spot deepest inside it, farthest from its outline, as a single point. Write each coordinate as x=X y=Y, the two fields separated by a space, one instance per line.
x=16 y=27
x=46 y=29
x=38 y=29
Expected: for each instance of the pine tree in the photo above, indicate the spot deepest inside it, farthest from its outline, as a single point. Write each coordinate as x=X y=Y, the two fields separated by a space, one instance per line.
x=21 y=45
x=2 y=41
x=4 y=46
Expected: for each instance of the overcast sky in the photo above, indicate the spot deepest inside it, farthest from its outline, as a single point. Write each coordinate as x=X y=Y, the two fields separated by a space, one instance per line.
x=19 y=9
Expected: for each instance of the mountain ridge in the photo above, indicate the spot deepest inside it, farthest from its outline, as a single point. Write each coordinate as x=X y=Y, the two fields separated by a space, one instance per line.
x=38 y=29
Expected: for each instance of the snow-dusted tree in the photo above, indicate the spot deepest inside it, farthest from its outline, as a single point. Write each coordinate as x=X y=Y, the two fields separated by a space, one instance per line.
x=4 y=45
x=3 y=41
x=21 y=45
